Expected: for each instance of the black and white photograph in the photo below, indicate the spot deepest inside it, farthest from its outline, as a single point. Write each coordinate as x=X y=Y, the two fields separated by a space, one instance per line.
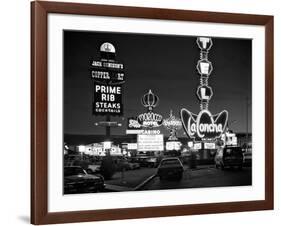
x=155 y=112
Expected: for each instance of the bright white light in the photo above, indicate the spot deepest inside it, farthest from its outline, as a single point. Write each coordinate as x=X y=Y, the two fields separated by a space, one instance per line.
x=132 y=146
x=107 y=47
x=81 y=148
x=107 y=144
x=204 y=68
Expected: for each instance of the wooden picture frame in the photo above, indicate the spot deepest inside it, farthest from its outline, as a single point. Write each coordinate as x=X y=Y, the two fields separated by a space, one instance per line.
x=39 y=112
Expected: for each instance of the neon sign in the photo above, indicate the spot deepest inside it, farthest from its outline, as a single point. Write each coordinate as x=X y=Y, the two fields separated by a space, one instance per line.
x=173 y=124
x=150 y=119
x=204 y=126
x=133 y=124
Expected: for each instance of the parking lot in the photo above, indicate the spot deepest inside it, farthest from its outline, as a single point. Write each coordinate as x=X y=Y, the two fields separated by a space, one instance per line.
x=207 y=176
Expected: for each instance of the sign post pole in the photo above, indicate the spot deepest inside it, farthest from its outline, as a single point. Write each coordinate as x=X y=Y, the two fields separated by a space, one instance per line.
x=107 y=127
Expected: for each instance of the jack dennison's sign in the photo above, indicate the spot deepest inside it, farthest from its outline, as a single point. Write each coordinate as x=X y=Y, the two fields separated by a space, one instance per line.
x=107 y=99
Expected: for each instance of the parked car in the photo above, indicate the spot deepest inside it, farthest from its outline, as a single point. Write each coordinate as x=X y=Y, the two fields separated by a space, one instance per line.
x=77 y=180
x=229 y=156
x=126 y=165
x=247 y=158
x=170 y=168
x=141 y=160
x=95 y=167
x=152 y=162
x=133 y=165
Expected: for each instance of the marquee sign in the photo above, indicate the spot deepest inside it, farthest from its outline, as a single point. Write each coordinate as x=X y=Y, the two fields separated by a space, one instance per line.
x=204 y=126
x=107 y=99
x=150 y=142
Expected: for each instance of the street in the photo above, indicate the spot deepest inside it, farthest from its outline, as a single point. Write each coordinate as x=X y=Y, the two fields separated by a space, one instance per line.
x=129 y=180
x=205 y=177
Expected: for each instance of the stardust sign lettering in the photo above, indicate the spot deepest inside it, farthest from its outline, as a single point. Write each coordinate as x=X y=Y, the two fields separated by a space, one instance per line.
x=150 y=119
x=133 y=123
x=107 y=99
x=204 y=125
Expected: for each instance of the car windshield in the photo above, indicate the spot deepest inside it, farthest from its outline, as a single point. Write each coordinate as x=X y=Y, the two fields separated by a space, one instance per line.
x=170 y=162
x=70 y=171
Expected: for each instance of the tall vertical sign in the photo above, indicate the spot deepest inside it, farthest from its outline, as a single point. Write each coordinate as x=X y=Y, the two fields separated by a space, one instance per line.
x=108 y=76
x=204 y=126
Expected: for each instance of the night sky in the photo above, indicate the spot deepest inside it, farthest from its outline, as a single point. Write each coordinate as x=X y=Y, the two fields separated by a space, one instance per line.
x=165 y=64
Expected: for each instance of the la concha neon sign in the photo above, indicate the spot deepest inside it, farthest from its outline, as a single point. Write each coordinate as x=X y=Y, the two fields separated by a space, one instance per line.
x=204 y=125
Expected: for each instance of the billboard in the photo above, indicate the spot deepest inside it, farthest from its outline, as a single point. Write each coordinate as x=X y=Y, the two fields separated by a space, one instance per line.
x=150 y=142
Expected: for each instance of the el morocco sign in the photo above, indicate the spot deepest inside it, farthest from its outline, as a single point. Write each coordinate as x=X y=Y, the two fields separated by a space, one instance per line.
x=150 y=119
x=204 y=125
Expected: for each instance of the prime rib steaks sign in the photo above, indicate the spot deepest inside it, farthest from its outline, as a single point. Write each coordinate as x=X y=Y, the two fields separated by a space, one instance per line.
x=204 y=126
x=108 y=77
x=108 y=99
